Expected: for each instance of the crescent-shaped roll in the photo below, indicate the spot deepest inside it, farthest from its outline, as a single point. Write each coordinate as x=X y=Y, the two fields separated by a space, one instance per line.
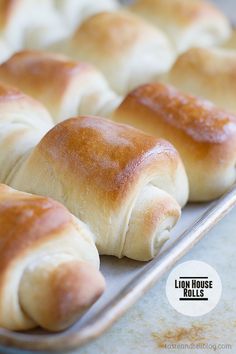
x=208 y=73
x=67 y=88
x=204 y=135
x=23 y=122
x=125 y=48
x=48 y=263
x=188 y=23
x=74 y=12
x=126 y=185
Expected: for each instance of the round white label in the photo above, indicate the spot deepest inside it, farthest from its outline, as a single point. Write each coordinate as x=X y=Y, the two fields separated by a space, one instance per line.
x=193 y=288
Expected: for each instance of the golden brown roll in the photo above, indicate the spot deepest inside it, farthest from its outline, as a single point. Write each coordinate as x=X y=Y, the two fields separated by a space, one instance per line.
x=74 y=12
x=188 y=23
x=58 y=19
x=209 y=73
x=48 y=263
x=124 y=184
x=125 y=48
x=127 y=186
x=65 y=87
x=204 y=135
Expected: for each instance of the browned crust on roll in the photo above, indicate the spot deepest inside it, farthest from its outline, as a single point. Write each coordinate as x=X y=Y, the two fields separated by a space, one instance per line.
x=26 y=221
x=84 y=284
x=117 y=33
x=41 y=66
x=194 y=117
x=184 y=12
x=204 y=135
x=207 y=72
x=105 y=155
x=33 y=71
x=205 y=61
x=11 y=97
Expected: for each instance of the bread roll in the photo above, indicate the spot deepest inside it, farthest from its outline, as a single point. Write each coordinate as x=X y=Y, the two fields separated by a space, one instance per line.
x=209 y=73
x=204 y=135
x=48 y=263
x=125 y=48
x=75 y=12
x=188 y=23
x=127 y=186
x=121 y=182
x=65 y=87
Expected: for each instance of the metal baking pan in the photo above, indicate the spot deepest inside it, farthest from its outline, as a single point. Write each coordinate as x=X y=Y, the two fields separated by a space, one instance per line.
x=127 y=281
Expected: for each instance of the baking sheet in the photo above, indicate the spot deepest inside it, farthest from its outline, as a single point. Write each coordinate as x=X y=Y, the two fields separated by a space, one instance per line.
x=127 y=281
